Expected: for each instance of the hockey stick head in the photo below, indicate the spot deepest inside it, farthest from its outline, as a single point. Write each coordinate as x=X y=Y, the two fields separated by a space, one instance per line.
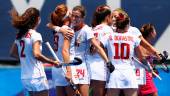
x=163 y=61
x=76 y=61
x=165 y=54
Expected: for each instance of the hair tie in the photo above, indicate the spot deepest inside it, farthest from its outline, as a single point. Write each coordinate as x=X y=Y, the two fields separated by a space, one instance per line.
x=121 y=16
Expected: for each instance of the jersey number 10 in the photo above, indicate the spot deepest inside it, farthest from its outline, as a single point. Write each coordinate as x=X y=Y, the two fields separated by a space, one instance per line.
x=120 y=52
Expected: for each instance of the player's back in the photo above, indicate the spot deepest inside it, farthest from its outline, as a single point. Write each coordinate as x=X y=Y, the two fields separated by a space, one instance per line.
x=30 y=66
x=122 y=48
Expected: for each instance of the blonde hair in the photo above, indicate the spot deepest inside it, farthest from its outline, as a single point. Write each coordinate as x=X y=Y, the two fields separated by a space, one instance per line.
x=120 y=10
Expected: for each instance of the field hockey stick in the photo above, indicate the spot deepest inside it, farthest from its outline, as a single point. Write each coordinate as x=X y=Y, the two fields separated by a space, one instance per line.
x=79 y=61
x=76 y=61
x=147 y=66
x=77 y=92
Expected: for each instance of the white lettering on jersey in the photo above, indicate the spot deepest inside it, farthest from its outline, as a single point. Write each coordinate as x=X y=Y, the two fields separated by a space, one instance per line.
x=22 y=5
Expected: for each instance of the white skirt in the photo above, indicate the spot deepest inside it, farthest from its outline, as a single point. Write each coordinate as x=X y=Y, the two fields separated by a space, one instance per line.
x=98 y=69
x=35 y=84
x=122 y=78
x=58 y=77
x=80 y=74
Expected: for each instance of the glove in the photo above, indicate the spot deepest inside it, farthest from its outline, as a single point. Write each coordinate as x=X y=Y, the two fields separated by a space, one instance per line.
x=163 y=58
x=110 y=66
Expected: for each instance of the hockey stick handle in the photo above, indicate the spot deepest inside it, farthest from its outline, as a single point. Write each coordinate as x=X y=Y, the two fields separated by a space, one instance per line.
x=156 y=75
x=52 y=51
x=133 y=58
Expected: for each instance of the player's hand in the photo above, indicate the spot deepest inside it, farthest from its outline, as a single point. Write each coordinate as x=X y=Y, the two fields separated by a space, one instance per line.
x=68 y=33
x=56 y=63
x=51 y=26
x=163 y=58
x=110 y=66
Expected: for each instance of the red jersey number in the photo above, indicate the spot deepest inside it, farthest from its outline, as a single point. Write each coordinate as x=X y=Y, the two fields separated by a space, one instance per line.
x=120 y=52
x=22 y=44
x=56 y=39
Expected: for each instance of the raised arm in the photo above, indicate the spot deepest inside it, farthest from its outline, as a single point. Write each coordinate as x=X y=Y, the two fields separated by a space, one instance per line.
x=67 y=33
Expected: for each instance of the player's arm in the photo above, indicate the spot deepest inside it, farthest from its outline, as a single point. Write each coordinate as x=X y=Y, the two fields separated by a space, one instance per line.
x=149 y=47
x=140 y=54
x=66 y=56
x=102 y=53
x=14 y=51
x=100 y=49
x=67 y=33
x=39 y=56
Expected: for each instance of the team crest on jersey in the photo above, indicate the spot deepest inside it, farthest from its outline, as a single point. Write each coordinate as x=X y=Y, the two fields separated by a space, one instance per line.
x=28 y=35
x=78 y=40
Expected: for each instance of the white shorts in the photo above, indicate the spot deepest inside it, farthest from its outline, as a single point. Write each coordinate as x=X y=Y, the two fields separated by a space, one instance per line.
x=140 y=73
x=80 y=74
x=98 y=69
x=58 y=77
x=35 y=84
x=122 y=78
x=140 y=76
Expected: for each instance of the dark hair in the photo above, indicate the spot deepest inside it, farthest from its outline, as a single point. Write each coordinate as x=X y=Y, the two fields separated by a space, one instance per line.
x=58 y=14
x=81 y=9
x=122 y=21
x=100 y=14
x=27 y=20
x=147 y=29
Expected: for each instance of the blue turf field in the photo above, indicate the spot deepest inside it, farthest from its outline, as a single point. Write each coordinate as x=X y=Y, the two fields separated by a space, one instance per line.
x=10 y=83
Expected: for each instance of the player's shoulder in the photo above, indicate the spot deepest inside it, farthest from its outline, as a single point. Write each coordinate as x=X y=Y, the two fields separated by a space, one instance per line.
x=34 y=34
x=86 y=28
x=132 y=28
x=134 y=31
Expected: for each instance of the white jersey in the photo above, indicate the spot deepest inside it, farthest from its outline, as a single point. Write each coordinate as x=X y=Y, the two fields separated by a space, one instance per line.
x=135 y=31
x=30 y=66
x=97 y=65
x=79 y=48
x=140 y=71
x=120 y=48
x=58 y=74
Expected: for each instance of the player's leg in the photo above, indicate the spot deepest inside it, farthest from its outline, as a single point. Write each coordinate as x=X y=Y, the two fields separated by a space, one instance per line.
x=70 y=91
x=60 y=91
x=84 y=89
x=112 y=92
x=155 y=94
x=40 y=93
x=37 y=86
x=98 y=87
x=130 y=92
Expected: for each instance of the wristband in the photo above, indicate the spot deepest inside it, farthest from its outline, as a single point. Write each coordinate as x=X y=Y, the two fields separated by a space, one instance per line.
x=57 y=28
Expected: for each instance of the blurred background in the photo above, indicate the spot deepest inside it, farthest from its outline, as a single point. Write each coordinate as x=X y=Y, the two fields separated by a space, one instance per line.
x=141 y=11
